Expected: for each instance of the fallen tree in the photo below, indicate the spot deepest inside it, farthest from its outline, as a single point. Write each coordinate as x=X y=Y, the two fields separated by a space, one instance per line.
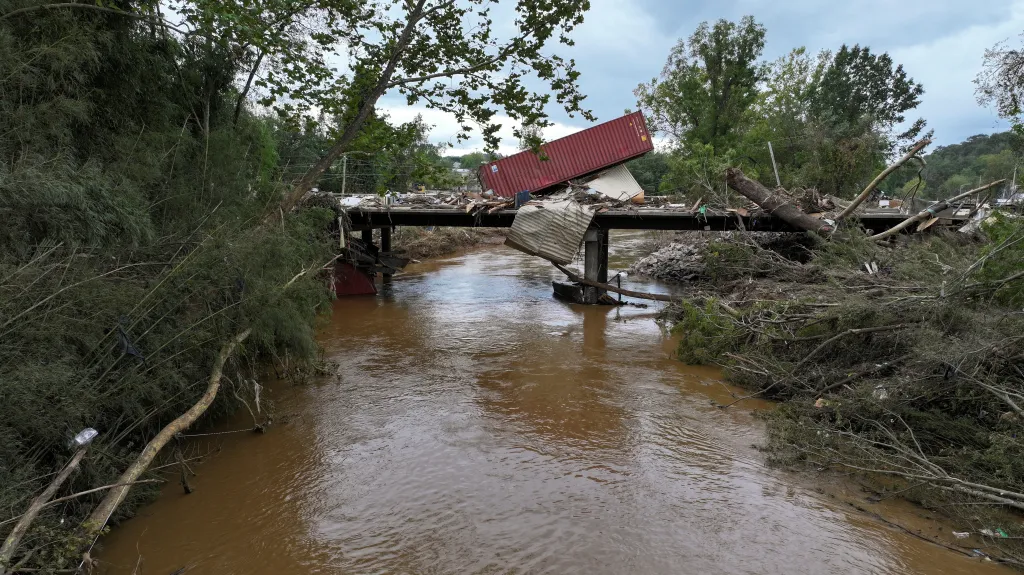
x=907 y=375
x=776 y=203
x=932 y=210
x=101 y=514
x=911 y=154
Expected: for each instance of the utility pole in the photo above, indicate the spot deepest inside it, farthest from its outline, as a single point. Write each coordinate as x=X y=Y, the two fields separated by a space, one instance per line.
x=774 y=167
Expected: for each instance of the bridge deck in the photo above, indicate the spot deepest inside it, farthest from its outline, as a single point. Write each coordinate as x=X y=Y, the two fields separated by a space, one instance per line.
x=628 y=219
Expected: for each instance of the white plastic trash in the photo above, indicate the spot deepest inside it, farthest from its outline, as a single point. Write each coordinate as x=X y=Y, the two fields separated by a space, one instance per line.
x=85 y=437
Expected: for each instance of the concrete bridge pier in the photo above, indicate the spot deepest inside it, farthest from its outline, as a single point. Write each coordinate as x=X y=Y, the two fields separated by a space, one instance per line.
x=383 y=249
x=595 y=262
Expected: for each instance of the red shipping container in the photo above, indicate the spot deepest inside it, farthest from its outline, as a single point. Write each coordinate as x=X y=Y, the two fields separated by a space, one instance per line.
x=585 y=152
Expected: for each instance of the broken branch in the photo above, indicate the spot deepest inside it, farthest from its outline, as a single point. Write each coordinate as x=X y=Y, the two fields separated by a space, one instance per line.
x=854 y=331
x=19 y=530
x=931 y=211
x=885 y=173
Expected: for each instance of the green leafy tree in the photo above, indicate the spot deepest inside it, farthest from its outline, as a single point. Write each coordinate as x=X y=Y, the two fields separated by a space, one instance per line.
x=708 y=84
x=474 y=160
x=649 y=170
x=857 y=85
x=954 y=185
x=449 y=54
x=1000 y=83
x=781 y=116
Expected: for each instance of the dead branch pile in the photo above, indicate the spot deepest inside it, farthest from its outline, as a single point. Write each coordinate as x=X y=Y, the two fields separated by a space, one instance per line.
x=896 y=361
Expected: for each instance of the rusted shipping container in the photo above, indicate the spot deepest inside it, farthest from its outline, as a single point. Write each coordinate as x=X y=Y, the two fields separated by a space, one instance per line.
x=574 y=156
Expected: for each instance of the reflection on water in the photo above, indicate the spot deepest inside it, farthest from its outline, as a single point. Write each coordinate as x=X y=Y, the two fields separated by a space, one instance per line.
x=476 y=425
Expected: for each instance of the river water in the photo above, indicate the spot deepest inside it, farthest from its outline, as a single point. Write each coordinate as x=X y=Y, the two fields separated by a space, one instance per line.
x=476 y=425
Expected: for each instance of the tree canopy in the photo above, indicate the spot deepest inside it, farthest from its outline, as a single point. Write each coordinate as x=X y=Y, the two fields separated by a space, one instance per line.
x=448 y=54
x=832 y=118
x=708 y=83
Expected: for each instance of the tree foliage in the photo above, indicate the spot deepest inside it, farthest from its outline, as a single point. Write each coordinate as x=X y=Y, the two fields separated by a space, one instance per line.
x=1000 y=83
x=959 y=167
x=708 y=83
x=448 y=54
x=831 y=119
x=858 y=85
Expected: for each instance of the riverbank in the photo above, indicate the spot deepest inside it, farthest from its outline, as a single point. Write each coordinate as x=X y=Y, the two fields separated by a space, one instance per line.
x=421 y=243
x=897 y=363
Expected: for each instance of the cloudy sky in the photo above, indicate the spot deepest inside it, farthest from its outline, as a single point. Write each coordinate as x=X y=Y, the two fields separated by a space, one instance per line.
x=625 y=42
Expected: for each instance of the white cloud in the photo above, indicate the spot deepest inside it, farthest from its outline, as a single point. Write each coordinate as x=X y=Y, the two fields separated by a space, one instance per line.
x=444 y=128
x=624 y=42
x=947 y=66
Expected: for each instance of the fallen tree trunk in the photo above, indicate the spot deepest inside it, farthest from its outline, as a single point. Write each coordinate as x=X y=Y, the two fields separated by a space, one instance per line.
x=930 y=211
x=775 y=204
x=630 y=293
x=99 y=516
x=885 y=174
x=14 y=538
x=613 y=289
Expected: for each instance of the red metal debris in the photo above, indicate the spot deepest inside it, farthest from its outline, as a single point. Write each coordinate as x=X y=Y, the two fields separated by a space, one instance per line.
x=582 y=153
x=349 y=280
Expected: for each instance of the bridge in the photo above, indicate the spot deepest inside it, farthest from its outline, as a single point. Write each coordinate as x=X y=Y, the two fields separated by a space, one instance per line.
x=363 y=218
x=386 y=218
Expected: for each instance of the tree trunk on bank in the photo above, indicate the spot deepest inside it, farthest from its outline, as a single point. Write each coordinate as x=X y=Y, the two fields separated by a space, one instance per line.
x=776 y=204
x=19 y=530
x=98 y=519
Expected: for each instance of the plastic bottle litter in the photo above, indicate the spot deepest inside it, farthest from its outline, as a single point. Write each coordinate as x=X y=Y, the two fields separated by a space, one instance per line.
x=961 y=534
x=85 y=437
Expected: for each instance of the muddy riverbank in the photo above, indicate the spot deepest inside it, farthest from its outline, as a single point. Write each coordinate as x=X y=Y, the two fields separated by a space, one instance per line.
x=476 y=425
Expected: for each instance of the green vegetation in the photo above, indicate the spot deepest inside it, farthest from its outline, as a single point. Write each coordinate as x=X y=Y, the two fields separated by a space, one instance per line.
x=148 y=173
x=908 y=377
x=961 y=167
x=833 y=119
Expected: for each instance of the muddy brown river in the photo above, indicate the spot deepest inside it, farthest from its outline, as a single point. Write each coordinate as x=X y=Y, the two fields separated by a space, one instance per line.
x=476 y=425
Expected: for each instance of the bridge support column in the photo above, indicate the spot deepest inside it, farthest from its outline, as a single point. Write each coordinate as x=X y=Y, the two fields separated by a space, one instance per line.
x=595 y=263
x=385 y=247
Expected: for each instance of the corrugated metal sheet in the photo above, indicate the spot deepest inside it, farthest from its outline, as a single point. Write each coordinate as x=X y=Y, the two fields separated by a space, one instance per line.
x=553 y=230
x=617 y=183
x=570 y=157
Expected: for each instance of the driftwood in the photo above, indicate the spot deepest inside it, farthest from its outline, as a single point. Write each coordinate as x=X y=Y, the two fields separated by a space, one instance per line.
x=931 y=210
x=885 y=173
x=776 y=204
x=99 y=516
x=611 y=288
x=630 y=293
x=14 y=538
